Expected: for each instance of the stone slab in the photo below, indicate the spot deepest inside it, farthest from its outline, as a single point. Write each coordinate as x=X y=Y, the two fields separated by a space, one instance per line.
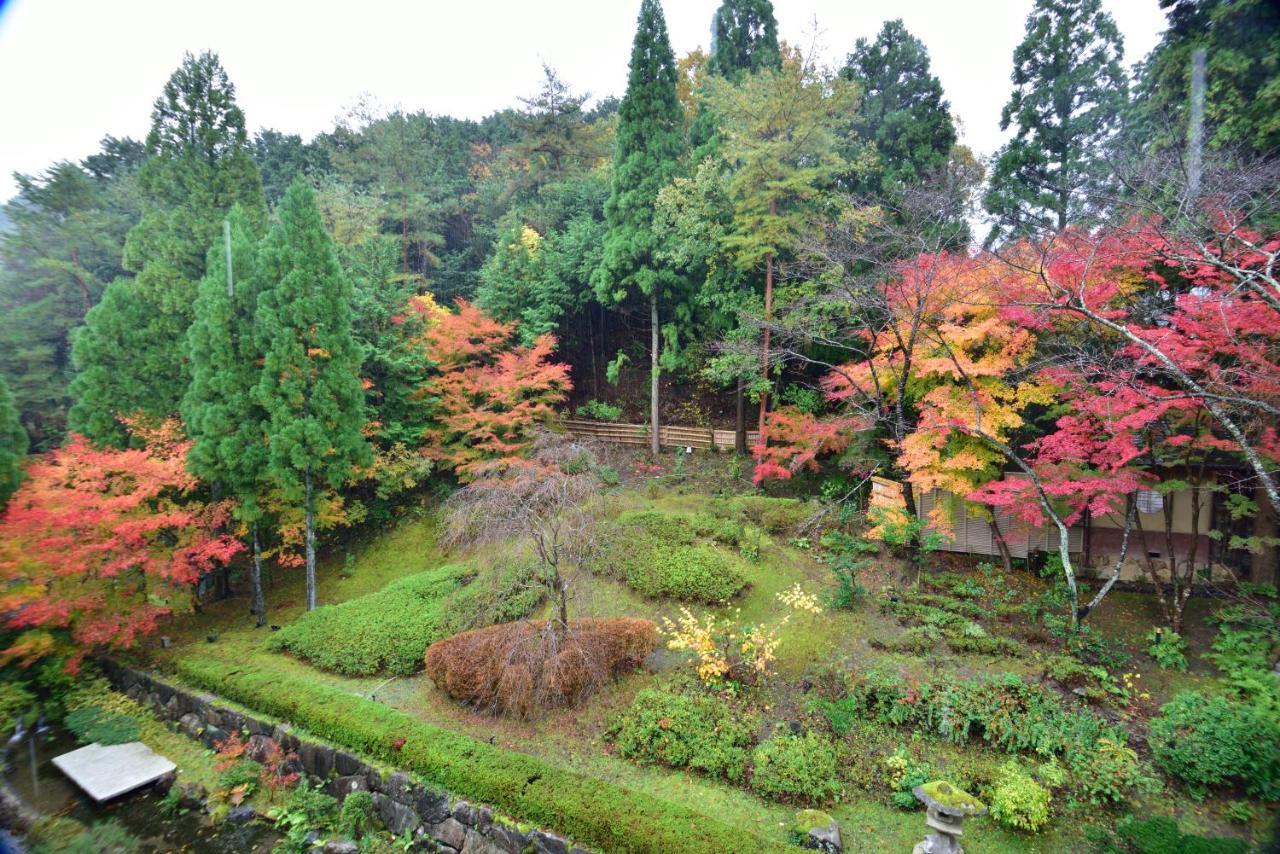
x=108 y=771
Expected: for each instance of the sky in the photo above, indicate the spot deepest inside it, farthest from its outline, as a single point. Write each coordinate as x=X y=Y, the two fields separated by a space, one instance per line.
x=72 y=71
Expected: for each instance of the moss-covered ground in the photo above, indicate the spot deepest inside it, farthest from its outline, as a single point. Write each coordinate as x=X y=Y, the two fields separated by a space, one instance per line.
x=576 y=739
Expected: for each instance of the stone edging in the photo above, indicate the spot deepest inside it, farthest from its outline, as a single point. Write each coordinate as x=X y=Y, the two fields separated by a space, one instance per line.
x=431 y=815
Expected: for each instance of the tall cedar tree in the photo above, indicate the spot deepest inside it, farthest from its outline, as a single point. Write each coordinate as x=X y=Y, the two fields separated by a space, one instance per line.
x=744 y=38
x=649 y=145
x=13 y=444
x=1241 y=39
x=226 y=423
x=130 y=354
x=1069 y=92
x=903 y=111
x=64 y=243
x=310 y=386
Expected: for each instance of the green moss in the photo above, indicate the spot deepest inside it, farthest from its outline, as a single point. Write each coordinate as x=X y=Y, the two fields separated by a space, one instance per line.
x=806 y=820
x=953 y=797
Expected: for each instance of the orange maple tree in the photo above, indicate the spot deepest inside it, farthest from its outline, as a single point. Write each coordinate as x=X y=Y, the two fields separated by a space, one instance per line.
x=98 y=545
x=489 y=391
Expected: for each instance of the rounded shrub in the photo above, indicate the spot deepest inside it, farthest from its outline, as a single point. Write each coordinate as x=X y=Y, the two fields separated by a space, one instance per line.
x=1019 y=802
x=1216 y=741
x=703 y=733
x=801 y=768
x=690 y=573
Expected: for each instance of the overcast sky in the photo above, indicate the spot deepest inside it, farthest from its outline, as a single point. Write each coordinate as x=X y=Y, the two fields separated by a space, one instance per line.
x=72 y=71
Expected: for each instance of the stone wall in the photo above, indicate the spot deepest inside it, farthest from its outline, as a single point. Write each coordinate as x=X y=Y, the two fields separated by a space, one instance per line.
x=436 y=819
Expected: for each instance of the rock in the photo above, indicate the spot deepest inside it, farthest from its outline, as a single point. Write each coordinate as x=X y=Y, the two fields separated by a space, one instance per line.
x=432 y=805
x=165 y=783
x=818 y=830
x=399 y=786
x=191 y=724
x=508 y=838
x=309 y=841
x=172 y=706
x=317 y=759
x=466 y=813
x=450 y=832
x=340 y=846
x=242 y=813
x=478 y=843
x=192 y=795
x=396 y=816
x=213 y=736
x=283 y=734
x=548 y=843
x=213 y=717
x=346 y=765
x=340 y=787
x=260 y=747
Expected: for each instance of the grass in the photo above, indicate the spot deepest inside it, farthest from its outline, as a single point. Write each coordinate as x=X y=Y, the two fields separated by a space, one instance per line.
x=575 y=740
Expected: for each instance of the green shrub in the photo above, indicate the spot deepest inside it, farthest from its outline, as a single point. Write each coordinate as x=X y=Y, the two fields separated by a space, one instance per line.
x=61 y=835
x=775 y=515
x=245 y=773
x=791 y=767
x=703 y=733
x=902 y=773
x=1168 y=649
x=16 y=704
x=1109 y=772
x=595 y=812
x=1019 y=802
x=356 y=818
x=1215 y=741
x=497 y=596
x=598 y=410
x=689 y=573
x=1161 y=836
x=388 y=630
x=91 y=724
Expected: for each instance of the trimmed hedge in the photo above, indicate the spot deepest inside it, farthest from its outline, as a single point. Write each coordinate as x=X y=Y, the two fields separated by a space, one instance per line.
x=666 y=554
x=390 y=630
x=589 y=810
x=701 y=732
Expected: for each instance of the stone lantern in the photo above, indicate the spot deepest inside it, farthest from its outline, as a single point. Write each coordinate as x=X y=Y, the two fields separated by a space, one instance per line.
x=947 y=807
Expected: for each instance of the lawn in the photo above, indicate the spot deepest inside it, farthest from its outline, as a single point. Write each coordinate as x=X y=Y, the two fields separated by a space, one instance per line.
x=845 y=641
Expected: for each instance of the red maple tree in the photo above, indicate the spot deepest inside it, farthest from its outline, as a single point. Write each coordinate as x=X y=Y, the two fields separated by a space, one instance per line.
x=101 y=544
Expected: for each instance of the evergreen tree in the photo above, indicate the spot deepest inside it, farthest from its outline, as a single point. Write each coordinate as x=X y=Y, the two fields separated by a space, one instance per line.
x=222 y=415
x=13 y=444
x=1241 y=39
x=309 y=384
x=65 y=242
x=902 y=112
x=130 y=354
x=1069 y=91
x=744 y=38
x=650 y=141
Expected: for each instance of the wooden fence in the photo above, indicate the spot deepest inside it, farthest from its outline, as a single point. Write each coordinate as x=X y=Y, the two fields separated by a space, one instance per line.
x=669 y=436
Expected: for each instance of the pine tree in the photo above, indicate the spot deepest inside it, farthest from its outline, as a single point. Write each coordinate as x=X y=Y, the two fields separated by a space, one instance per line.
x=13 y=444
x=1069 y=91
x=1241 y=39
x=221 y=412
x=744 y=38
x=130 y=352
x=309 y=385
x=903 y=111
x=650 y=141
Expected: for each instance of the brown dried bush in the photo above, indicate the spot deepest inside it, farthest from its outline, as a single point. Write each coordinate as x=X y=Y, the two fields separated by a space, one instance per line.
x=522 y=668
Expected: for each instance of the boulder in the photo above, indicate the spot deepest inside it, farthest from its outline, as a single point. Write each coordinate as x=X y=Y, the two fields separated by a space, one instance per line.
x=316 y=758
x=450 y=832
x=818 y=831
x=192 y=796
x=340 y=846
x=345 y=764
x=396 y=816
x=191 y=724
x=432 y=805
x=214 y=735
x=478 y=843
x=259 y=747
x=340 y=787
x=242 y=813
x=548 y=843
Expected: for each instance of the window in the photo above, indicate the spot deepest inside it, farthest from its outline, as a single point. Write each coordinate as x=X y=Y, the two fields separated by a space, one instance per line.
x=1149 y=501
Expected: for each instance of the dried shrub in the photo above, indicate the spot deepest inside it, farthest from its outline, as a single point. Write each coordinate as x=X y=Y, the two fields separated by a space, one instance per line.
x=522 y=668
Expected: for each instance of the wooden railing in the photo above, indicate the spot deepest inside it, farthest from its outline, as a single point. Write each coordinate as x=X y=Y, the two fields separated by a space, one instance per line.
x=669 y=436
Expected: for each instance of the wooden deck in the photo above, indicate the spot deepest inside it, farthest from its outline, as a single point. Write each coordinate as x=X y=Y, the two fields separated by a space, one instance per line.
x=108 y=771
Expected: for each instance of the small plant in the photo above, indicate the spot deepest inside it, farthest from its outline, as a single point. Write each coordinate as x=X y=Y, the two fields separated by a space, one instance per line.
x=356 y=817
x=1019 y=802
x=791 y=767
x=703 y=733
x=1214 y=741
x=170 y=805
x=903 y=773
x=1110 y=772
x=598 y=410
x=1239 y=812
x=92 y=724
x=1168 y=649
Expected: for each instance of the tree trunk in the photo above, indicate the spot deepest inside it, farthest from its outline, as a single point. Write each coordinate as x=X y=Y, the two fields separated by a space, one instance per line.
x=259 y=607
x=653 y=373
x=591 y=349
x=311 y=545
x=1006 y=557
x=768 y=318
x=1264 y=567
x=740 y=424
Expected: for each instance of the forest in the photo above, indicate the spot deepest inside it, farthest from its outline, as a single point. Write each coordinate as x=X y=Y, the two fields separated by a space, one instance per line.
x=739 y=464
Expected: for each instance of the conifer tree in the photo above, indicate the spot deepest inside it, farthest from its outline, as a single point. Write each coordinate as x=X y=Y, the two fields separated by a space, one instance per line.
x=221 y=412
x=1069 y=91
x=309 y=384
x=13 y=444
x=902 y=110
x=744 y=38
x=650 y=141
x=130 y=353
